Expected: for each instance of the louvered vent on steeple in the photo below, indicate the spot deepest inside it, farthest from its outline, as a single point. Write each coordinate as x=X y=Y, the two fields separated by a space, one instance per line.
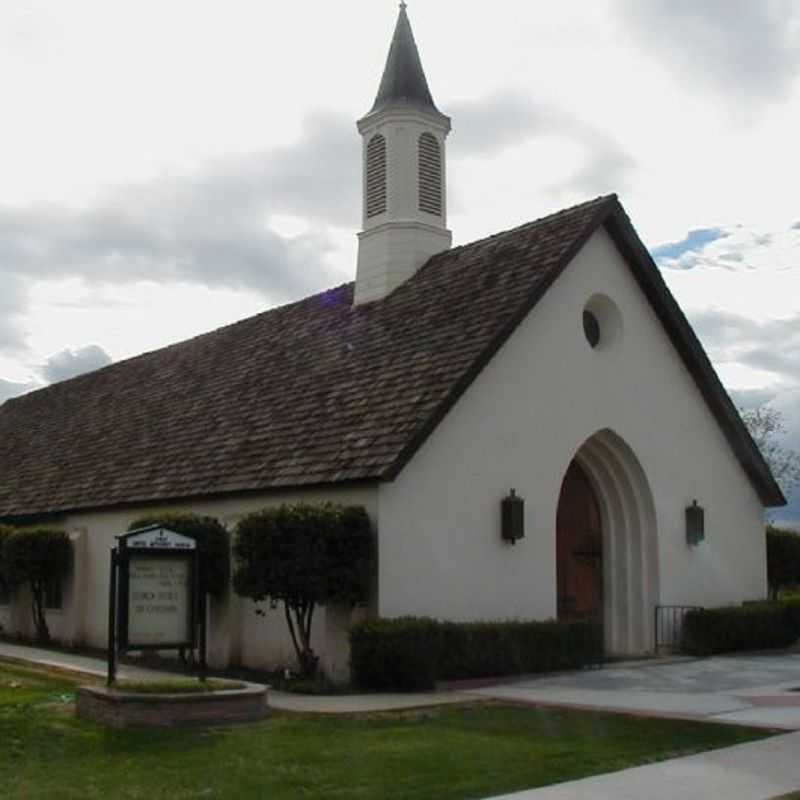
x=376 y=176
x=430 y=175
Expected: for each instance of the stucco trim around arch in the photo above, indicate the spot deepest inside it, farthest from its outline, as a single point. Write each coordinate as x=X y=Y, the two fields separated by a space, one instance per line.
x=630 y=541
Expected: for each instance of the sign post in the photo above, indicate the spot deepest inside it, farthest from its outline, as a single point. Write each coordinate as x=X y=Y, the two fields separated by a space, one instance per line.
x=156 y=599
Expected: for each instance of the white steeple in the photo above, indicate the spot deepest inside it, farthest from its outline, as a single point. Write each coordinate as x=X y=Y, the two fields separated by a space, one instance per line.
x=404 y=189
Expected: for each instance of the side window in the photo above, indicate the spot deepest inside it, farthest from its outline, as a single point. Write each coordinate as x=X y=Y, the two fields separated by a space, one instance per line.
x=376 y=176
x=430 y=175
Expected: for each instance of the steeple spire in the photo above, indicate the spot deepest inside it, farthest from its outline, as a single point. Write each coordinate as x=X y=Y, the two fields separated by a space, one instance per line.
x=404 y=186
x=403 y=81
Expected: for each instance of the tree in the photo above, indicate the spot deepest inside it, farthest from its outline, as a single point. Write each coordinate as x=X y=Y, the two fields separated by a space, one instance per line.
x=304 y=555
x=37 y=557
x=783 y=559
x=213 y=543
x=766 y=426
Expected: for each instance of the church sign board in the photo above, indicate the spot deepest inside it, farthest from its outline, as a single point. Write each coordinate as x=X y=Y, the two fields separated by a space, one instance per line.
x=156 y=599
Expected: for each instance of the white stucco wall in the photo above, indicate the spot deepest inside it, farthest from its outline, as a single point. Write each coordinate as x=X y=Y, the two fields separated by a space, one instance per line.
x=237 y=635
x=520 y=424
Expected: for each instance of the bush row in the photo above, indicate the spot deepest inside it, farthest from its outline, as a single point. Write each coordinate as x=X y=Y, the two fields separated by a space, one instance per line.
x=755 y=626
x=792 y=607
x=412 y=653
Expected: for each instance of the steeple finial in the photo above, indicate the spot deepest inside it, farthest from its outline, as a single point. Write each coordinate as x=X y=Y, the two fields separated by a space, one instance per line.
x=404 y=81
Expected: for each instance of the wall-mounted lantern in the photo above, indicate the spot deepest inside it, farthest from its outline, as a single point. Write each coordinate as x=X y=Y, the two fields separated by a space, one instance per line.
x=512 y=518
x=695 y=524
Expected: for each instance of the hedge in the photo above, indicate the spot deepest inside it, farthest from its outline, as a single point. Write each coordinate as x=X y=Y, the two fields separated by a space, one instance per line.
x=792 y=607
x=212 y=539
x=395 y=654
x=412 y=653
x=484 y=649
x=756 y=626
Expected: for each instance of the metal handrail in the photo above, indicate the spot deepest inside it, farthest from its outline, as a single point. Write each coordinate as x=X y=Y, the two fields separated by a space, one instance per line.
x=668 y=625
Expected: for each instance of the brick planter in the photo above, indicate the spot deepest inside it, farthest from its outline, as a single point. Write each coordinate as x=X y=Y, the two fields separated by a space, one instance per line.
x=120 y=709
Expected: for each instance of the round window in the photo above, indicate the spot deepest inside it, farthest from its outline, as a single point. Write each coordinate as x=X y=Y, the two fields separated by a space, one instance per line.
x=602 y=322
x=591 y=328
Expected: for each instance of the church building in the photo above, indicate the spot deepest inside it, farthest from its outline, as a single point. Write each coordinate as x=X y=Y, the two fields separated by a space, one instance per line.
x=545 y=371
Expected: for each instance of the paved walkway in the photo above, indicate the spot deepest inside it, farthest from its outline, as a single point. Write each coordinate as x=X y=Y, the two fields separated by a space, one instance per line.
x=747 y=690
x=284 y=701
x=86 y=665
x=756 y=771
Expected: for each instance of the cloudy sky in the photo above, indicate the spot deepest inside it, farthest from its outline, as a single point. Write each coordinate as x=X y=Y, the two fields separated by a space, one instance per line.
x=170 y=166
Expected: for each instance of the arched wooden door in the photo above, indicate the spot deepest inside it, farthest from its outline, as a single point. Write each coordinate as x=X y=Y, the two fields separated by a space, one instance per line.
x=579 y=549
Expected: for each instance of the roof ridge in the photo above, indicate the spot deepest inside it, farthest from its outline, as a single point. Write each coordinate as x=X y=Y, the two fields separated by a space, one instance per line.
x=600 y=200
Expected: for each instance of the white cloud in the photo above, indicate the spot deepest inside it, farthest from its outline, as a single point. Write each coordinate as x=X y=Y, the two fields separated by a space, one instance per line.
x=209 y=227
x=9 y=389
x=743 y=247
x=69 y=363
x=489 y=125
x=739 y=48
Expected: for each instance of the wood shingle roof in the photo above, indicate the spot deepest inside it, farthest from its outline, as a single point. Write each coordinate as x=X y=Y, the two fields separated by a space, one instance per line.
x=315 y=392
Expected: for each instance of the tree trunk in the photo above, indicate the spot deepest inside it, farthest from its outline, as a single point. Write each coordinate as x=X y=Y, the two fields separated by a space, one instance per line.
x=39 y=616
x=299 y=618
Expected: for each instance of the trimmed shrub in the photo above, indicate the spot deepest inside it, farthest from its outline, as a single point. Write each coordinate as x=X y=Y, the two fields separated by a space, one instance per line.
x=5 y=582
x=37 y=557
x=756 y=626
x=395 y=654
x=783 y=559
x=304 y=555
x=412 y=653
x=494 y=649
x=792 y=607
x=213 y=544
x=5 y=532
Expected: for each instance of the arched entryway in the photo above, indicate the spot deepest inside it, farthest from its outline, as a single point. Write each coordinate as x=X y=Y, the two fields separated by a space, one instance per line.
x=606 y=544
x=579 y=549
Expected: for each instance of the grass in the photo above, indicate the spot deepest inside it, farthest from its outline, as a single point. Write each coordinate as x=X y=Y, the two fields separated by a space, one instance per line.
x=177 y=686
x=443 y=754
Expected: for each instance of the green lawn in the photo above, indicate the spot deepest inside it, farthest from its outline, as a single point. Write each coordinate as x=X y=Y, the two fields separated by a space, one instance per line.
x=464 y=752
x=178 y=686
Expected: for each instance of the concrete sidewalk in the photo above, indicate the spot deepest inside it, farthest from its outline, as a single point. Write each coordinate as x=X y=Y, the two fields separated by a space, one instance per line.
x=754 y=771
x=72 y=662
x=750 y=689
x=284 y=701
